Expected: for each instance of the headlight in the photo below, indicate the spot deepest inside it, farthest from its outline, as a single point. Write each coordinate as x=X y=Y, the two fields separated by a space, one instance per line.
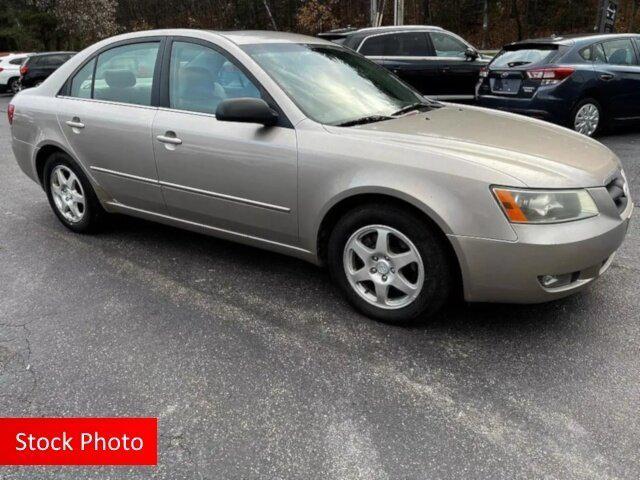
x=545 y=206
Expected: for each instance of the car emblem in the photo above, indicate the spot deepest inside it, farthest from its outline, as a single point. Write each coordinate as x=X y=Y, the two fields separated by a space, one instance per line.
x=505 y=74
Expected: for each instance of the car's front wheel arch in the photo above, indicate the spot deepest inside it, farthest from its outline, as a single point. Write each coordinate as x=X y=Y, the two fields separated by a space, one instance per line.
x=345 y=205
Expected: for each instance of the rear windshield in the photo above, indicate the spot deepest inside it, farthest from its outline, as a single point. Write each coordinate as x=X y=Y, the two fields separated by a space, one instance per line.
x=513 y=58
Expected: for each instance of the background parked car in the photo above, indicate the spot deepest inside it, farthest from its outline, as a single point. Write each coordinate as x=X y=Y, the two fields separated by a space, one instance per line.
x=10 y=71
x=584 y=82
x=37 y=67
x=436 y=62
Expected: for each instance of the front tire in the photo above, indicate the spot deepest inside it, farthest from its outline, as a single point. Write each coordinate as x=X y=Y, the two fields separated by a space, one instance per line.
x=70 y=195
x=587 y=117
x=390 y=264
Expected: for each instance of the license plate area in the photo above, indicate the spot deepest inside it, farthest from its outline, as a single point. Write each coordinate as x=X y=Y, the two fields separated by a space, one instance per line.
x=505 y=86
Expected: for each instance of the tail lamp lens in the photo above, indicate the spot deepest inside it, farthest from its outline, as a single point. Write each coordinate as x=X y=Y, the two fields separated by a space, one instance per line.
x=24 y=70
x=550 y=76
x=545 y=206
x=484 y=72
x=11 y=110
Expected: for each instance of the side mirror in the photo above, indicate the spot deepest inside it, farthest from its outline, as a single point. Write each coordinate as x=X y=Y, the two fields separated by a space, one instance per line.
x=471 y=54
x=246 y=110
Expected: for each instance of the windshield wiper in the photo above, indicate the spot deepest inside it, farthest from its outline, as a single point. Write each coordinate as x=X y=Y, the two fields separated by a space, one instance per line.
x=363 y=120
x=412 y=107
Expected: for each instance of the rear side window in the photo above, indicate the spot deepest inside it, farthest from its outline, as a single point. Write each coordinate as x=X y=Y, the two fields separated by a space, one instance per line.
x=447 y=46
x=523 y=56
x=619 y=52
x=125 y=74
x=16 y=61
x=83 y=81
x=52 y=60
x=409 y=44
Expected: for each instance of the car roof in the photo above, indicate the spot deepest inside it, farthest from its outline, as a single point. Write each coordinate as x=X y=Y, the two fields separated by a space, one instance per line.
x=44 y=54
x=571 y=39
x=345 y=32
x=267 y=36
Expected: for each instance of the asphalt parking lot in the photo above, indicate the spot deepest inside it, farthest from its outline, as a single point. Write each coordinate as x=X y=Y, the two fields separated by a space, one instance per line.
x=257 y=368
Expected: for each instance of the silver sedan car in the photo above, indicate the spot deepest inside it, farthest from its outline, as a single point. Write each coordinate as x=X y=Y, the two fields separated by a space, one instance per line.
x=298 y=145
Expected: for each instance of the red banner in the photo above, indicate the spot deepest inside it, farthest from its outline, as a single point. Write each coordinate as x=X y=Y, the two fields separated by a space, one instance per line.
x=78 y=441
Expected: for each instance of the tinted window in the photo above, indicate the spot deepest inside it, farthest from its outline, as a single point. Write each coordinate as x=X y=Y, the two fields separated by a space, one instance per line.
x=17 y=61
x=200 y=78
x=52 y=60
x=586 y=54
x=373 y=46
x=125 y=74
x=81 y=83
x=447 y=46
x=409 y=44
x=524 y=56
x=619 y=52
x=331 y=84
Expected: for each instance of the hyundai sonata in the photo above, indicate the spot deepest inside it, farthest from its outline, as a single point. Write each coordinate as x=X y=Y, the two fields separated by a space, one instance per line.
x=301 y=146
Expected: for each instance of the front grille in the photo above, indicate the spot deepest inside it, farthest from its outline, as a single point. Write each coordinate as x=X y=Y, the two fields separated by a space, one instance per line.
x=617 y=190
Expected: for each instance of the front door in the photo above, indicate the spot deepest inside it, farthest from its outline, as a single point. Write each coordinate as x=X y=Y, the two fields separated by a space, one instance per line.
x=458 y=73
x=107 y=120
x=237 y=177
x=618 y=74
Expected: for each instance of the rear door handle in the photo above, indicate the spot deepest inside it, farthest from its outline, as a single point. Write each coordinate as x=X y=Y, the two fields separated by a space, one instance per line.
x=169 y=138
x=607 y=76
x=75 y=123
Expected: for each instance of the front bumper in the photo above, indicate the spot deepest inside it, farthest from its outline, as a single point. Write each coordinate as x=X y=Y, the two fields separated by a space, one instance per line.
x=509 y=272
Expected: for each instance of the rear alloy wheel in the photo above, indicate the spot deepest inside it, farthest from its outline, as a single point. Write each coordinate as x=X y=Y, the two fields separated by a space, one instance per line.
x=390 y=263
x=587 y=117
x=70 y=195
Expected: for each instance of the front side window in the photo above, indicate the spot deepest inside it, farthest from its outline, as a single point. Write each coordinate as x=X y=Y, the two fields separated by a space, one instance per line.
x=448 y=46
x=331 y=84
x=200 y=78
x=619 y=52
x=125 y=74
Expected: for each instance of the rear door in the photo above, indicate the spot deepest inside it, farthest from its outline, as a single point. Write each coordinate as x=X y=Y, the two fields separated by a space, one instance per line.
x=407 y=54
x=106 y=114
x=618 y=73
x=458 y=74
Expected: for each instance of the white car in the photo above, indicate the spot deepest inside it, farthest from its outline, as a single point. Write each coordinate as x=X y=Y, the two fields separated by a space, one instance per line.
x=10 y=71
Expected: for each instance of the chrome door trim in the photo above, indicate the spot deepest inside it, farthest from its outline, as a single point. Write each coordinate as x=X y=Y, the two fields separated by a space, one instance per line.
x=208 y=193
x=121 y=206
x=106 y=102
x=222 y=196
x=125 y=175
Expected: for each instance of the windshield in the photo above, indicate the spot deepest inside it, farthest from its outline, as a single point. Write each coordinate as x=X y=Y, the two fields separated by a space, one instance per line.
x=333 y=85
x=524 y=56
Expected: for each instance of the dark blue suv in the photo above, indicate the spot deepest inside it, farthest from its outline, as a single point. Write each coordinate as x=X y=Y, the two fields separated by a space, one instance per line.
x=585 y=82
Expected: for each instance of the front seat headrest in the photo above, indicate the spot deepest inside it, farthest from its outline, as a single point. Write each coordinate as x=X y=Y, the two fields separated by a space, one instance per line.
x=120 y=78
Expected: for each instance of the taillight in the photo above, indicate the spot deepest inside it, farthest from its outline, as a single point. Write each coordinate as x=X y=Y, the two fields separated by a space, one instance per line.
x=484 y=72
x=1 y=69
x=10 y=111
x=24 y=70
x=550 y=76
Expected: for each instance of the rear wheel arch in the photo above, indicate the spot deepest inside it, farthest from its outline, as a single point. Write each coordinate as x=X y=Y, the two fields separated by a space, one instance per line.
x=43 y=154
x=345 y=205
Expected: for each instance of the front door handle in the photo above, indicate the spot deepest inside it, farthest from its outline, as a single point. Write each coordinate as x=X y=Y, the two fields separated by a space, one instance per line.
x=75 y=123
x=607 y=76
x=170 y=138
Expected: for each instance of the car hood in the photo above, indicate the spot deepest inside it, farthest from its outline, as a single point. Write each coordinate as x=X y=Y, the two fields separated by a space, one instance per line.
x=537 y=153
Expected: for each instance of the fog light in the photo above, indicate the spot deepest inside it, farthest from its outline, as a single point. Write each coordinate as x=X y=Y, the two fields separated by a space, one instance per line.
x=554 y=281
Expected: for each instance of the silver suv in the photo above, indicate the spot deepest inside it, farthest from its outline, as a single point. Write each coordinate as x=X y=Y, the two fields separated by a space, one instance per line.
x=304 y=147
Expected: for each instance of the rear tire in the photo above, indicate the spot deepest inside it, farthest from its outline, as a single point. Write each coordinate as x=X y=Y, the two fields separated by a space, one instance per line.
x=368 y=276
x=13 y=86
x=587 y=117
x=71 y=196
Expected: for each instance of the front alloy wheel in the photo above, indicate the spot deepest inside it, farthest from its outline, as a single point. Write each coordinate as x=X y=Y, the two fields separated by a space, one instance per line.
x=383 y=266
x=390 y=262
x=14 y=86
